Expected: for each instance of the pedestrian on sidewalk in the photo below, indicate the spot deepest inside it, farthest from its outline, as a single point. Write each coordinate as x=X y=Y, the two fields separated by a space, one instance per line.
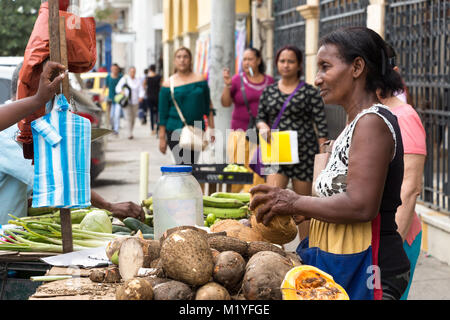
x=153 y=85
x=415 y=151
x=353 y=235
x=113 y=108
x=192 y=95
x=304 y=111
x=244 y=90
x=135 y=97
x=143 y=105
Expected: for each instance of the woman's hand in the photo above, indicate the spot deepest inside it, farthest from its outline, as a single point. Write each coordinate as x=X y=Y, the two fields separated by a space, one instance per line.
x=162 y=145
x=226 y=77
x=264 y=131
x=212 y=135
x=124 y=210
x=271 y=201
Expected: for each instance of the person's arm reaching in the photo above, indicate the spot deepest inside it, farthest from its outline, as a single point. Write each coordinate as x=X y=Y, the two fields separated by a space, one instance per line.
x=51 y=78
x=120 y=210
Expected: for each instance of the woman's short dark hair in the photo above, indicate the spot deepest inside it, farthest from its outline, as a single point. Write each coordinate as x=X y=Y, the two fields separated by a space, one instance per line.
x=261 y=66
x=298 y=54
x=353 y=42
x=152 y=67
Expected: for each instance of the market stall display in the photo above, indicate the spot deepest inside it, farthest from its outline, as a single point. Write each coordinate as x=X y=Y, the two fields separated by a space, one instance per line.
x=220 y=262
x=44 y=233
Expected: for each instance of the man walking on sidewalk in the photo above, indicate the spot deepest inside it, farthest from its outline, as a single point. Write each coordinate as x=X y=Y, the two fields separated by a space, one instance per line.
x=135 y=97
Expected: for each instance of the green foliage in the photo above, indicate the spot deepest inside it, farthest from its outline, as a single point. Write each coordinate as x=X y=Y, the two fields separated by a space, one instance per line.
x=105 y=15
x=17 y=18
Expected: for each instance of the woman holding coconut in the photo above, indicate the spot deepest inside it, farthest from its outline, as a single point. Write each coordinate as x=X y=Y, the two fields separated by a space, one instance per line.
x=353 y=235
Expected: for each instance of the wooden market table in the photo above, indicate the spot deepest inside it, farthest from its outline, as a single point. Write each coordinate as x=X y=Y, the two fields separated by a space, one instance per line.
x=79 y=287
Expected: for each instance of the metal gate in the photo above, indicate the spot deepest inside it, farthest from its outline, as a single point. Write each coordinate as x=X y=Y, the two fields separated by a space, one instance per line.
x=289 y=25
x=290 y=29
x=419 y=32
x=335 y=14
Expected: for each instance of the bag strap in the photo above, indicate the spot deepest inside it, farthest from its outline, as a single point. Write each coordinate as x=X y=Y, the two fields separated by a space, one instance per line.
x=277 y=120
x=175 y=101
x=244 y=95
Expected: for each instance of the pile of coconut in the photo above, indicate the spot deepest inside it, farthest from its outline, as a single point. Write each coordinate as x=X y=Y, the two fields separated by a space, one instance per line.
x=189 y=263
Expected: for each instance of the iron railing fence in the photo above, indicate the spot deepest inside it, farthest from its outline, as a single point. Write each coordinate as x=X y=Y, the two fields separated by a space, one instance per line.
x=419 y=32
x=289 y=26
x=335 y=14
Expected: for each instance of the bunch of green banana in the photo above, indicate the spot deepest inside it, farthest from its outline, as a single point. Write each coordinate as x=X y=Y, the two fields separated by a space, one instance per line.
x=235 y=168
x=224 y=205
x=148 y=204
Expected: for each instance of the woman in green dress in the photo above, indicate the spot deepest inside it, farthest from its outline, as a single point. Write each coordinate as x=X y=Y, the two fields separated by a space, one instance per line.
x=191 y=92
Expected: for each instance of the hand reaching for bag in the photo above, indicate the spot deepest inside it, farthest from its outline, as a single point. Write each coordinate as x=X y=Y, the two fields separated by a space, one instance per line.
x=49 y=83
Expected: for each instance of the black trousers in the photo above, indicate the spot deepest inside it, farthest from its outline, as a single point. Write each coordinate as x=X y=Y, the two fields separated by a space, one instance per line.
x=394 y=287
x=182 y=156
x=153 y=108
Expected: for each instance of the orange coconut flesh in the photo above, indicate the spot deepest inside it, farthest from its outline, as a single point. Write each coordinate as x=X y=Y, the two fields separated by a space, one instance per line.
x=309 y=284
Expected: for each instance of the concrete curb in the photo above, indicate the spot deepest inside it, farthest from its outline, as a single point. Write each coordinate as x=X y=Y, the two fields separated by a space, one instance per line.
x=435 y=233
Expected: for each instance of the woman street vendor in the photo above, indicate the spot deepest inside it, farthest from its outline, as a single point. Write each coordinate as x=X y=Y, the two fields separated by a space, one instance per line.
x=353 y=235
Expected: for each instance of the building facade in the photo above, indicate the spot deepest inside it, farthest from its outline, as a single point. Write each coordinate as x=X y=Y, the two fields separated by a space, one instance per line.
x=188 y=23
x=129 y=32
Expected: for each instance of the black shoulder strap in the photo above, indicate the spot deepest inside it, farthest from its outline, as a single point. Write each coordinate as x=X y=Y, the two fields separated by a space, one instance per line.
x=244 y=95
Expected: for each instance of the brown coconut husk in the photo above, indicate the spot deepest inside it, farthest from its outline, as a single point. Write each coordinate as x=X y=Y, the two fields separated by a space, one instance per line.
x=281 y=229
x=235 y=229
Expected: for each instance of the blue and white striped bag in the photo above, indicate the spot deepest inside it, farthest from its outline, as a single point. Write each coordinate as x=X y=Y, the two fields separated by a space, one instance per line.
x=62 y=155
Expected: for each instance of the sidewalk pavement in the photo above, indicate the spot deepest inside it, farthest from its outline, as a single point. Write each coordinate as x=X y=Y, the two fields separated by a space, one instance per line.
x=120 y=182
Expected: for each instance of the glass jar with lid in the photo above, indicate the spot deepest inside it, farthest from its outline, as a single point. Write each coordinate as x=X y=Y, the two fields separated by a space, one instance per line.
x=177 y=200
